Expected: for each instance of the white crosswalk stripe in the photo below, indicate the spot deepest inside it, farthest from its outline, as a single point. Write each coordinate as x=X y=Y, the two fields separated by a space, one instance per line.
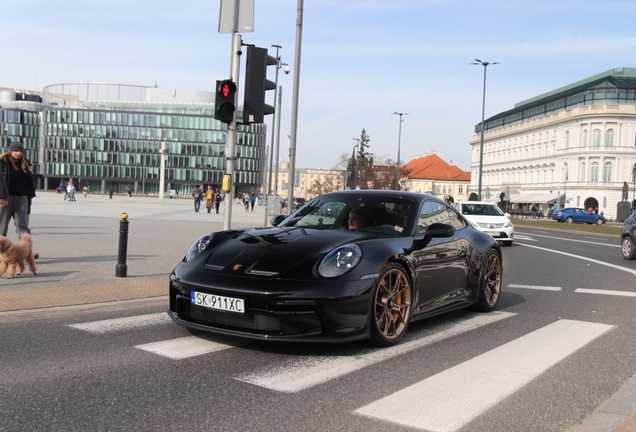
x=305 y=373
x=535 y=287
x=451 y=399
x=186 y=347
x=606 y=292
x=127 y=323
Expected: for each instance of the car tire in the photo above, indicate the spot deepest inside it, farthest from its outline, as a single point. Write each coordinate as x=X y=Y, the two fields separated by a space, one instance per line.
x=507 y=243
x=391 y=306
x=598 y=221
x=490 y=283
x=569 y=219
x=627 y=248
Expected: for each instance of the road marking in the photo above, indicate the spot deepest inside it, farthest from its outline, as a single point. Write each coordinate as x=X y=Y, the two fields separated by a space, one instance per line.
x=605 y=292
x=189 y=346
x=570 y=240
x=523 y=237
x=449 y=400
x=117 y=324
x=625 y=269
x=305 y=373
x=535 y=287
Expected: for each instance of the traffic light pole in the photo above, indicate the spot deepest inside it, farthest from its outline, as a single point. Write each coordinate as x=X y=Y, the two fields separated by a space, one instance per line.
x=230 y=145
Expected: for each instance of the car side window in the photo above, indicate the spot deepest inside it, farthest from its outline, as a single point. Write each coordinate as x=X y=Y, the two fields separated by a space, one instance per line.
x=434 y=212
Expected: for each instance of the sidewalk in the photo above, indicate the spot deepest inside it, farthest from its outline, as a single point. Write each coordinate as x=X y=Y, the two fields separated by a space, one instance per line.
x=78 y=243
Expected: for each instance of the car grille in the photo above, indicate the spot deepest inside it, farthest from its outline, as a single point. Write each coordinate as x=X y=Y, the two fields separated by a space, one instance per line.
x=251 y=320
x=490 y=225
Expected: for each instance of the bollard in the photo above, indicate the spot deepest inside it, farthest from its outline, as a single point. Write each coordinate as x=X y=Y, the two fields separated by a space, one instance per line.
x=122 y=269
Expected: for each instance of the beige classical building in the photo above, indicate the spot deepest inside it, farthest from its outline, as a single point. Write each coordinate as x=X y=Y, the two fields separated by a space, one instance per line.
x=574 y=146
x=432 y=175
x=309 y=182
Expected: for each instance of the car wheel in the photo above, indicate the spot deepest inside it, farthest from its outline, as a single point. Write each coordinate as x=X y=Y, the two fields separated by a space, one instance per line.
x=391 y=309
x=569 y=219
x=627 y=248
x=490 y=285
x=599 y=221
x=507 y=243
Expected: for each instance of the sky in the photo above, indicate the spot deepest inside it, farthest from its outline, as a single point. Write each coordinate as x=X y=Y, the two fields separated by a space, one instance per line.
x=360 y=60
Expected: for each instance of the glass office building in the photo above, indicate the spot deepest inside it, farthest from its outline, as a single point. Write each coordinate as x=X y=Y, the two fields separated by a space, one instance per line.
x=111 y=135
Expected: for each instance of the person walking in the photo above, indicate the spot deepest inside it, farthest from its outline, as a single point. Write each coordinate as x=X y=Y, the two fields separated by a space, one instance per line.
x=246 y=201
x=16 y=189
x=85 y=191
x=111 y=191
x=209 y=198
x=197 y=194
x=217 y=200
x=252 y=200
x=129 y=190
x=70 y=191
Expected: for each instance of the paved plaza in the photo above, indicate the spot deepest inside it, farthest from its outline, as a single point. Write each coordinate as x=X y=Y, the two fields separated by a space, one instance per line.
x=78 y=243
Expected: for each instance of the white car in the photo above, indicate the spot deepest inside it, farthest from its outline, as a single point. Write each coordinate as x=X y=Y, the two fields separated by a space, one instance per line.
x=489 y=218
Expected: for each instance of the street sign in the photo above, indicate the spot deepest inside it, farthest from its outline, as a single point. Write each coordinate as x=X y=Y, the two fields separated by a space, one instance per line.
x=236 y=15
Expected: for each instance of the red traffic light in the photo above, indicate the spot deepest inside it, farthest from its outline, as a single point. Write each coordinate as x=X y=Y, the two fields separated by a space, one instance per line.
x=227 y=89
x=224 y=102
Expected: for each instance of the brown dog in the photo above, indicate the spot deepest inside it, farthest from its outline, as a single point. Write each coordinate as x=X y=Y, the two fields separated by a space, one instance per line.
x=14 y=254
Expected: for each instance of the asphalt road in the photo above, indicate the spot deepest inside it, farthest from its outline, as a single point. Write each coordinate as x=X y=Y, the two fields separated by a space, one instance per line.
x=557 y=355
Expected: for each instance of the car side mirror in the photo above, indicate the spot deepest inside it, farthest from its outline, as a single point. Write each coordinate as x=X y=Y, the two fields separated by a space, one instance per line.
x=507 y=215
x=439 y=230
x=276 y=220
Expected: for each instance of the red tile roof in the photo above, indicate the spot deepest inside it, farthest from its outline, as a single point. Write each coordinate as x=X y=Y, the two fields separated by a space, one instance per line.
x=434 y=168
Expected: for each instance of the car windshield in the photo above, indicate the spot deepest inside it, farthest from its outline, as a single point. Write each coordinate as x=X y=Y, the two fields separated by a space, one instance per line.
x=385 y=215
x=481 y=210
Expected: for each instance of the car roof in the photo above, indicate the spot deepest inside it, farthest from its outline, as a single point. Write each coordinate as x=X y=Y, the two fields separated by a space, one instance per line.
x=477 y=202
x=367 y=193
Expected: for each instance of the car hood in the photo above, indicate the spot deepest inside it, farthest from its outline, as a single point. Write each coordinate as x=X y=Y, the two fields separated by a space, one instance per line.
x=270 y=252
x=487 y=219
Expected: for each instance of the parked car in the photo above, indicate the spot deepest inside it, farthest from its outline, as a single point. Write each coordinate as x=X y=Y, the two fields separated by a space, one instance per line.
x=487 y=217
x=299 y=202
x=628 y=237
x=318 y=276
x=578 y=215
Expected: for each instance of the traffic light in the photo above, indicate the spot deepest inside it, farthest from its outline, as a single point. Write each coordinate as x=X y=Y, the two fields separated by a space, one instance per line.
x=224 y=101
x=256 y=83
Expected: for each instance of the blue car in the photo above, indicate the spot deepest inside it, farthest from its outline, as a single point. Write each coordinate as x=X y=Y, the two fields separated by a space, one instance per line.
x=578 y=215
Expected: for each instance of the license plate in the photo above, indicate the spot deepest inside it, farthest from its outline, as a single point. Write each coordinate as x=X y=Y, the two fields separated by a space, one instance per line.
x=212 y=301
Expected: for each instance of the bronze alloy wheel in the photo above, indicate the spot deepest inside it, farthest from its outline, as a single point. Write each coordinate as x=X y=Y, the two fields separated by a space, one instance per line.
x=491 y=283
x=392 y=308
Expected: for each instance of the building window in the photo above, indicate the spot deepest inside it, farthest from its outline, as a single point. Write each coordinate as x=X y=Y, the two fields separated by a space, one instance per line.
x=596 y=138
x=585 y=138
x=607 y=172
x=609 y=138
x=567 y=139
x=594 y=172
x=583 y=169
x=461 y=189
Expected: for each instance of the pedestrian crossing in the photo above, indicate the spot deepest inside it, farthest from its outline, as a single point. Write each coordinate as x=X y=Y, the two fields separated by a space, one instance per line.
x=445 y=402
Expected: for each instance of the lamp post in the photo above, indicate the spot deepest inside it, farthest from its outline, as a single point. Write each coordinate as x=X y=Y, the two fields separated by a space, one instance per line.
x=397 y=174
x=634 y=188
x=565 y=190
x=279 y=64
x=483 y=109
x=355 y=147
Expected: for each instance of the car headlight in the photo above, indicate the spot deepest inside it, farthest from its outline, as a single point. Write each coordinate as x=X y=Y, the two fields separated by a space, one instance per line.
x=508 y=224
x=339 y=261
x=199 y=246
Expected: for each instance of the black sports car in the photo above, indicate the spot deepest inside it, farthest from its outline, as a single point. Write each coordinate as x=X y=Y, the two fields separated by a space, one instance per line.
x=346 y=266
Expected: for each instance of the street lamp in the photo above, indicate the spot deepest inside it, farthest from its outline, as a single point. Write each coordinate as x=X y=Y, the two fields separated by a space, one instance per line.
x=356 y=156
x=483 y=109
x=279 y=64
x=565 y=190
x=634 y=188
x=397 y=175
